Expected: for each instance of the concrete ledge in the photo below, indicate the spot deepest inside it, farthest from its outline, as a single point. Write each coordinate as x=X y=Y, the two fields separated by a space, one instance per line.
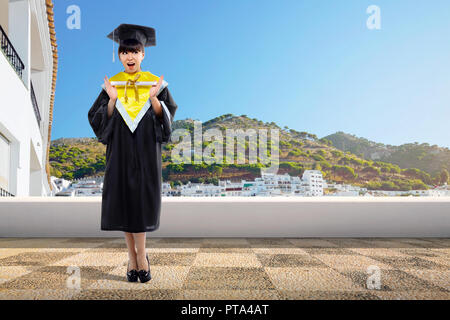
x=238 y=217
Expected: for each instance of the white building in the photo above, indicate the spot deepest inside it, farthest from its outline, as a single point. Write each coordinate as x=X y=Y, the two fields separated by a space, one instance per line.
x=89 y=187
x=272 y=184
x=254 y=188
x=442 y=191
x=348 y=190
x=231 y=189
x=313 y=183
x=28 y=63
x=420 y=193
x=268 y=185
x=59 y=184
x=166 y=188
x=201 y=190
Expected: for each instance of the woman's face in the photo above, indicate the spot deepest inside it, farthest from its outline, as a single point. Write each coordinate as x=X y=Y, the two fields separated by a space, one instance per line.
x=131 y=60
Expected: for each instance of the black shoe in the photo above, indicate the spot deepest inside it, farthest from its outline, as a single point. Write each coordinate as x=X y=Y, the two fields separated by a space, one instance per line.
x=144 y=275
x=132 y=275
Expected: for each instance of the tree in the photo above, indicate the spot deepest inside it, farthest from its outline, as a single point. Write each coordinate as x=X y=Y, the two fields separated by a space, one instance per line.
x=345 y=172
x=444 y=176
x=218 y=170
x=371 y=170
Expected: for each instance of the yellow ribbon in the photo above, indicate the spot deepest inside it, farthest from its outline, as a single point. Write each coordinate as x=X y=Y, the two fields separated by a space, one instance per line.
x=132 y=83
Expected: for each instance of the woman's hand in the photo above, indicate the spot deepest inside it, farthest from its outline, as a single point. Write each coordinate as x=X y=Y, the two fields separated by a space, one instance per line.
x=110 y=90
x=154 y=90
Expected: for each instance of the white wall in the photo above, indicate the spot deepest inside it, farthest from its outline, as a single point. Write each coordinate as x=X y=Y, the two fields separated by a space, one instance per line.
x=18 y=124
x=17 y=118
x=19 y=33
x=238 y=217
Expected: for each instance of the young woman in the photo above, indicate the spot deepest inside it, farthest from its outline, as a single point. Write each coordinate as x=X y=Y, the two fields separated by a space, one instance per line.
x=133 y=116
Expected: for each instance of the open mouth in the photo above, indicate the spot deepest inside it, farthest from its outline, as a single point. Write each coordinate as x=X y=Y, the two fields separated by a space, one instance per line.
x=131 y=64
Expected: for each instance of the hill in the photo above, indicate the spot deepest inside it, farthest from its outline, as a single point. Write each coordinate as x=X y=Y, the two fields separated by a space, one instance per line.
x=298 y=151
x=429 y=158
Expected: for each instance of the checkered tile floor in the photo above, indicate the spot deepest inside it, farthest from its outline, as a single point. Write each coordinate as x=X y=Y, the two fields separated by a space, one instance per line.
x=227 y=268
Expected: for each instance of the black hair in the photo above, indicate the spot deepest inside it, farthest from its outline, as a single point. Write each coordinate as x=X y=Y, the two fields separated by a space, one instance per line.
x=131 y=45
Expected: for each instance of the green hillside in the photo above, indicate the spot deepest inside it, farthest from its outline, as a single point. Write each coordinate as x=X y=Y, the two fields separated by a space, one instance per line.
x=299 y=151
x=431 y=159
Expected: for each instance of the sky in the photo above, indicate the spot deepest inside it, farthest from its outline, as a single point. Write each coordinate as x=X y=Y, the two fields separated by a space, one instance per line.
x=311 y=65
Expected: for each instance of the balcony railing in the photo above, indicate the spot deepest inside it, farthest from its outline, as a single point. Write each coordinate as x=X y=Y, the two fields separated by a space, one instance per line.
x=4 y=193
x=11 y=53
x=35 y=106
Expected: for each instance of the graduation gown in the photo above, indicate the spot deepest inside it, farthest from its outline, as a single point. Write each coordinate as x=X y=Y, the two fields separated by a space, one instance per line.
x=131 y=198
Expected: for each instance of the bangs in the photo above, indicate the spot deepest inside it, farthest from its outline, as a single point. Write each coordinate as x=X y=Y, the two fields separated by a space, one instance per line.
x=131 y=45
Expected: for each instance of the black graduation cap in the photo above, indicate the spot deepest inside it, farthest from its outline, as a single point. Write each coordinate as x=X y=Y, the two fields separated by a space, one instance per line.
x=143 y=34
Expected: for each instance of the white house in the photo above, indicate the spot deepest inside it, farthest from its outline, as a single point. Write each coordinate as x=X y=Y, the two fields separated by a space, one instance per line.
x=313 y=180
x=59 y=184
x=271 y=184
x=201 y=190
x=28 y=64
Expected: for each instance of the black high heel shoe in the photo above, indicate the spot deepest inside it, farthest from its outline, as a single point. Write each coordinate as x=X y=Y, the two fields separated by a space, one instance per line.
x=145 y=275
x=132 y=275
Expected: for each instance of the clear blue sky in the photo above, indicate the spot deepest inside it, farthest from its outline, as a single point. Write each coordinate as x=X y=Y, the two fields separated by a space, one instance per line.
x=312 y=65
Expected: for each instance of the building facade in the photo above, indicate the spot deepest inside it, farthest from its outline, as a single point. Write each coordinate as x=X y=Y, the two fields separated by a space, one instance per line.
x=28 y=64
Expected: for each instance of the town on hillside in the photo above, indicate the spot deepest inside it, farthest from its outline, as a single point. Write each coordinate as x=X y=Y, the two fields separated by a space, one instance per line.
x=311 y=184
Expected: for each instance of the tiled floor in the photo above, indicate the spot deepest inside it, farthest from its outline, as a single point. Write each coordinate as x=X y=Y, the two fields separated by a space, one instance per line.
x=228 y=268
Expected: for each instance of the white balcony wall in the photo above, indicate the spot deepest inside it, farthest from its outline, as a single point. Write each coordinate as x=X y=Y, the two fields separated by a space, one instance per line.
x=238 y=217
